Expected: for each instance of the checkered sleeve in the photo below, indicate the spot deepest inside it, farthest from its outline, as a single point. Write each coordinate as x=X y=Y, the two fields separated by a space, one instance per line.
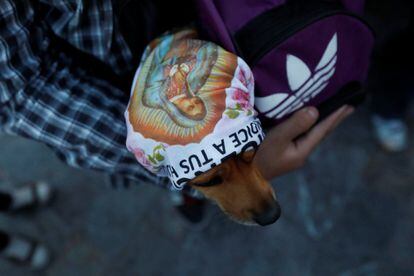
x=46 y=98
x=17 y=61
x=80 y=117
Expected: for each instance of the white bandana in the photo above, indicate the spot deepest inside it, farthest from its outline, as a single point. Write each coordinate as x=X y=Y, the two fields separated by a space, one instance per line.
x=191 y=108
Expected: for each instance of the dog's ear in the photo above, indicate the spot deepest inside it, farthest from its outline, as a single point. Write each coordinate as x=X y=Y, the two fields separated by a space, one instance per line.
x=248 y=156
x=211 y=178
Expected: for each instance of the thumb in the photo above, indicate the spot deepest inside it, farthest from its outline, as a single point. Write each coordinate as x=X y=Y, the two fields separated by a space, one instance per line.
x=298 y=124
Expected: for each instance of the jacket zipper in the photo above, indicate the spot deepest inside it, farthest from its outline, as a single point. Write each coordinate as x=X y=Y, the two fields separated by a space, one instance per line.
x=281 y=23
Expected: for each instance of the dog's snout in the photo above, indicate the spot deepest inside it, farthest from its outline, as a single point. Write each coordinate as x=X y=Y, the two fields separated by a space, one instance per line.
x=269 y=216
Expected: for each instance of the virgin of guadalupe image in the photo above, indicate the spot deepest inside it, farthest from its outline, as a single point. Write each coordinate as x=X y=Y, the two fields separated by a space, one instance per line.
x=179 y=94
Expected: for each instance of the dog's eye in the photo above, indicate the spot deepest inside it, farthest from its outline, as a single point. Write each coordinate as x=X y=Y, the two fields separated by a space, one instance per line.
x=217 y=180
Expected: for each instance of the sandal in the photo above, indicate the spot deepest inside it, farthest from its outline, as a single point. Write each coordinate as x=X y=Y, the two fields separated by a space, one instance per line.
x=31 y=195
x=25 y=252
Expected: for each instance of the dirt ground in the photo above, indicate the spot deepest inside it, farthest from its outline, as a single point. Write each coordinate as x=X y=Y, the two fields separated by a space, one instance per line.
x=350 y=211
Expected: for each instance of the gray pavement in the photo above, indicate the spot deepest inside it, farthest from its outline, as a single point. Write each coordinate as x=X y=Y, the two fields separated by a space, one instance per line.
x=350 y=211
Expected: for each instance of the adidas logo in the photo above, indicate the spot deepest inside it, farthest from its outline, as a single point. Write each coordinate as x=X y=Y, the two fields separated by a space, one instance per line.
x=304 y=84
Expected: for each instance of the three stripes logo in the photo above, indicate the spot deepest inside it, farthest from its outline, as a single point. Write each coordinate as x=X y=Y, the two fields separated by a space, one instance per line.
x=303 y=83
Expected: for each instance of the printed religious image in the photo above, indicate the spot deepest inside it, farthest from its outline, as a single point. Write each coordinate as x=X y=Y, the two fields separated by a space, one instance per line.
x=180 y=92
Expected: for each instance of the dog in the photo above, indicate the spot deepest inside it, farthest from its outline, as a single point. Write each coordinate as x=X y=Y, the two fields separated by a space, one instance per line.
x=191 y=117
x=240 y=190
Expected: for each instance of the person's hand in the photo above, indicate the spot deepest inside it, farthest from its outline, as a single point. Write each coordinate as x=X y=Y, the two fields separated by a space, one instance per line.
x=288 y=145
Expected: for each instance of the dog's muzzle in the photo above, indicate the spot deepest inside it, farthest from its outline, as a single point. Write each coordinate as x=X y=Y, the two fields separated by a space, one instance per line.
x=269 y=216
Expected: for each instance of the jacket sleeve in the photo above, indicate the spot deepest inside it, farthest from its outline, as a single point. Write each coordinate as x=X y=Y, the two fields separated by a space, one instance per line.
x=46 y=98
x=18 y=61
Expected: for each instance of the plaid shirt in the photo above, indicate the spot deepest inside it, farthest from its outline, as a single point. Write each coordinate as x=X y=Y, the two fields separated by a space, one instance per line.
x=43 y=96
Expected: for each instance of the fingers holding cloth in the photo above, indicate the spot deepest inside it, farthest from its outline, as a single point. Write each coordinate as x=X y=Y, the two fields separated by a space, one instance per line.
x=288 y=145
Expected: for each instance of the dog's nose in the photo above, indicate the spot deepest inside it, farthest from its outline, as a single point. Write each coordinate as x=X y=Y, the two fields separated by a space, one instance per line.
x=269 y=216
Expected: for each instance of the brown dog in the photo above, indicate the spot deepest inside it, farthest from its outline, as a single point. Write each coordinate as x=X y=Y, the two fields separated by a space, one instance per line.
x=191 y=108
x=240 y=190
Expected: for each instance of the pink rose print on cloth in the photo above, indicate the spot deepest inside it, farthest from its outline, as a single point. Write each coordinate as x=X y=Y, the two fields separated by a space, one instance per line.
x=150 y=161
x=241 y=97
x=143 y=159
